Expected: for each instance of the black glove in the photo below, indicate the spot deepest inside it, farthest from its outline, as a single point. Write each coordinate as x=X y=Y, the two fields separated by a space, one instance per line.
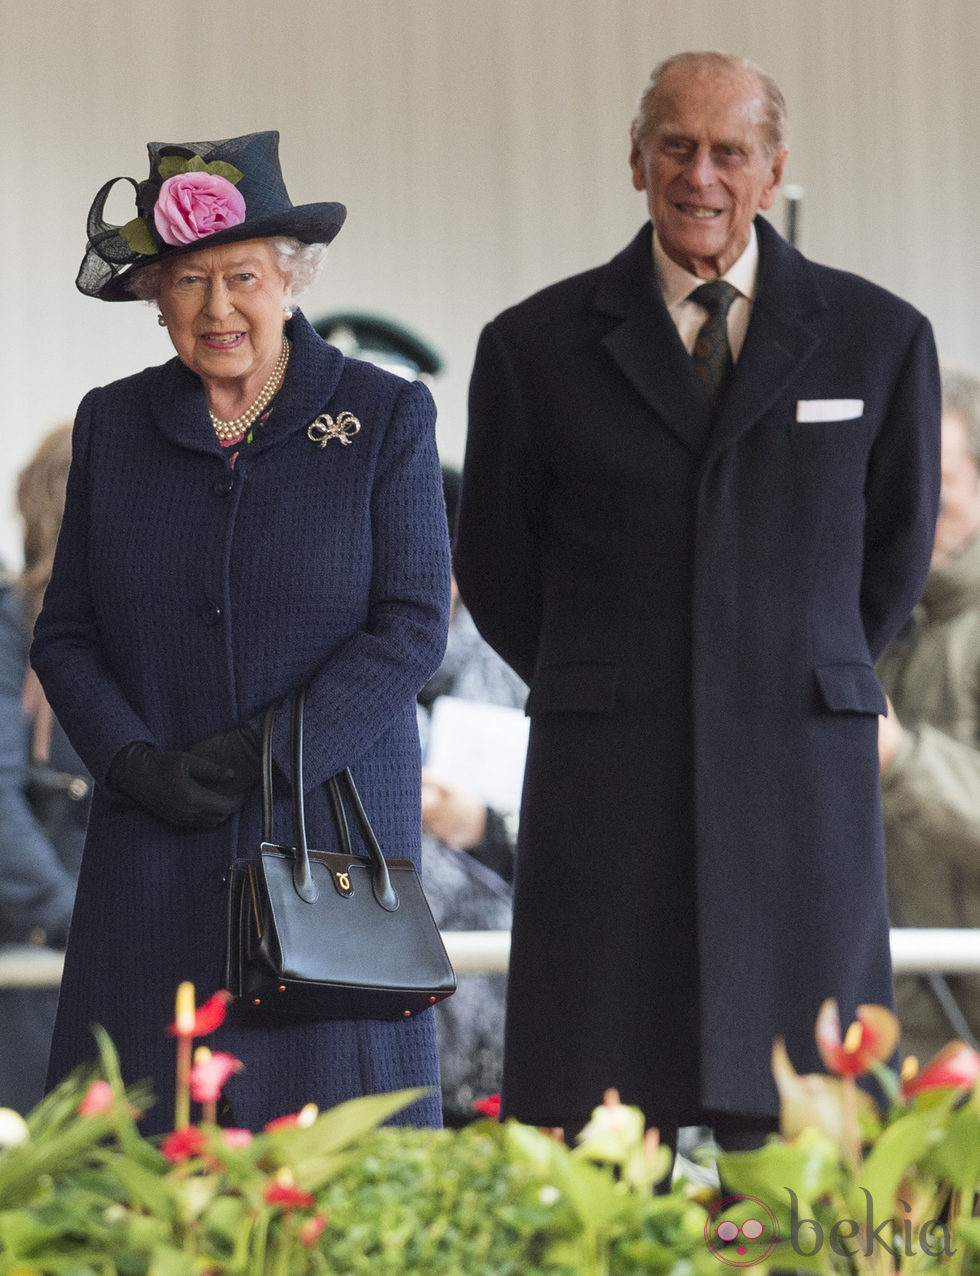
x=181 y=788
x=239 y=753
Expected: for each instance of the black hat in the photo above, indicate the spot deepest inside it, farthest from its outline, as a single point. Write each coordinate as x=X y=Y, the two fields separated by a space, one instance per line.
x=221 y=192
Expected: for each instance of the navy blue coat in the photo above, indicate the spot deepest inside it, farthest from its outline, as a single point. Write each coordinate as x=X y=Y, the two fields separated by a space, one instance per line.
x=186 y=596
x=696 y=609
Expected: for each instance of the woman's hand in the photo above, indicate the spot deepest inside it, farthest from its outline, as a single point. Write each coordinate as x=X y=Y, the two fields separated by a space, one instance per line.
x=239 y=753
x=181 y=788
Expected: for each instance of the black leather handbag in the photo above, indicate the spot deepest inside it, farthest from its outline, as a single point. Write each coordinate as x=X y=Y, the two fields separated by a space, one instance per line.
x=330 y=934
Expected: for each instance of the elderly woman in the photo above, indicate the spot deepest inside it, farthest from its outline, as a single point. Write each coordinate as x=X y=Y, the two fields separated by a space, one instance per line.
x=255 y=516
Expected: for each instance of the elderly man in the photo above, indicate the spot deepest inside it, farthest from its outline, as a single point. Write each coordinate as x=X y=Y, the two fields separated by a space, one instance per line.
x=930 y=742
x=691 y=518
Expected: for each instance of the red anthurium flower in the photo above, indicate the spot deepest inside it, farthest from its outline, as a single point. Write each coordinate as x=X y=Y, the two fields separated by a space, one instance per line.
x=183 y=1144
x=282 y=1123
x=283 y=1191
x=98 y=1098
x=312 y=1229
x=234 y=1138
x=210 y=1074
x=955 y=1066
x=488 y=1107
x=304 y=1118
x=204 y=1020
x=288 y=1197
x=871 y=1039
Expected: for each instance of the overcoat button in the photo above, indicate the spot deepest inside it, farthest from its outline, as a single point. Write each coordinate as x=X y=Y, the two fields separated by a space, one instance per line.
x=211 y=614
x=223 y=485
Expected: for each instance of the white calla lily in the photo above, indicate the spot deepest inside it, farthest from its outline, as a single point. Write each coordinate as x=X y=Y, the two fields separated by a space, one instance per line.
x=13 y=1128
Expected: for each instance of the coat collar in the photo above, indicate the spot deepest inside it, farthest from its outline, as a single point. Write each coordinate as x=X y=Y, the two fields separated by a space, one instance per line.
x=180 y=411
x=781 y=336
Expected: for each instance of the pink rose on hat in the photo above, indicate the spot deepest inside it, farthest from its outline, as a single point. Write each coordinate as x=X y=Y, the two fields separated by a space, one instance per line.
x=193 y=205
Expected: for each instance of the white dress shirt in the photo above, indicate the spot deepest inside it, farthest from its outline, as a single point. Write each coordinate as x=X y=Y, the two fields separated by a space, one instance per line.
x=677 y=284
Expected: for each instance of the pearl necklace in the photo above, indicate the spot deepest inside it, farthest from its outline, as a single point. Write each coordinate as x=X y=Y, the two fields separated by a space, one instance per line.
x=229 y=431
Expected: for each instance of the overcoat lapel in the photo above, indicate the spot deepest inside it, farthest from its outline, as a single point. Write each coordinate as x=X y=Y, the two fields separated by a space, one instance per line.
x=782 y=337
x=646 y=346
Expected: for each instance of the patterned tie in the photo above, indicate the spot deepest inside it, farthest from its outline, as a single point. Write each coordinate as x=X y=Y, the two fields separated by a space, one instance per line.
x=712 y=354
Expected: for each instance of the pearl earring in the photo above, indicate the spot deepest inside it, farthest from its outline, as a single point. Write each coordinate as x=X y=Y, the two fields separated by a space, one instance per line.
x=287 y=314
x=161 y=321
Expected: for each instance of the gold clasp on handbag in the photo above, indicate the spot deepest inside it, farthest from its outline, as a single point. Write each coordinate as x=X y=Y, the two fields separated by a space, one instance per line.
x=343 y=883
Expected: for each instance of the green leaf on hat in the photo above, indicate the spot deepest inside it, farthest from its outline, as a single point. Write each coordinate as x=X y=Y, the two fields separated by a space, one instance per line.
x=173 y=165
x=137 y=234
x=228 y=171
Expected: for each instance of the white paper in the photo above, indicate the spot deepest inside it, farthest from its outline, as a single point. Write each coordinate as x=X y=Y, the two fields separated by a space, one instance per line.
x=480 y=748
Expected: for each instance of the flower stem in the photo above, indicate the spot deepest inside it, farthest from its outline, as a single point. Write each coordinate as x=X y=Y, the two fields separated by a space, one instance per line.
x=284 y=1249
x=852 y=1129
x=182 y=1104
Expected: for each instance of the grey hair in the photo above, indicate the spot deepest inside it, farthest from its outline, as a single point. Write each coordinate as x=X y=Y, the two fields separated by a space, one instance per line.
x=299 y=263
x=647 y=114
x=961 y=394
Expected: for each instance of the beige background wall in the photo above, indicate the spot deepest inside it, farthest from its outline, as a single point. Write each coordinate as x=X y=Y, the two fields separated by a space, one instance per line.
x=480 y=146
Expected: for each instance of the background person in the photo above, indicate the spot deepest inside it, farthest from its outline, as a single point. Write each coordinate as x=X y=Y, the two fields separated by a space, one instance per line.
x=692 y=536
x=218 y=553
x=929 y=743
x=44 y=788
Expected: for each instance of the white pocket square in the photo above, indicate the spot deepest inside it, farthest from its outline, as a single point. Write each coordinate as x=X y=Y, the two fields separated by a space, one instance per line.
x=829 y=409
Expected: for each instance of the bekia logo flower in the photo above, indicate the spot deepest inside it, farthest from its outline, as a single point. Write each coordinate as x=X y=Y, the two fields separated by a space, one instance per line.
x=741 y=1231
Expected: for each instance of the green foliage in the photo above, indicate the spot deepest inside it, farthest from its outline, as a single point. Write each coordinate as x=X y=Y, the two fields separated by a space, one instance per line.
x=83 y=1193
x=87 y=1195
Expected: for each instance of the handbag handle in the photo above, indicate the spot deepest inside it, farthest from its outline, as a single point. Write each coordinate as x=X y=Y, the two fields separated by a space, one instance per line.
x=303 y=881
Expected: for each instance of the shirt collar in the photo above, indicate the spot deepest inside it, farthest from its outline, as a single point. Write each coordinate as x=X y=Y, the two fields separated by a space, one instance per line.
x=676 y=283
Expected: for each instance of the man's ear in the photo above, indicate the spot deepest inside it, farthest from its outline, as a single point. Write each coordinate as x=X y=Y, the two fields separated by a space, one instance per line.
x=778 y=164
x=636 y=167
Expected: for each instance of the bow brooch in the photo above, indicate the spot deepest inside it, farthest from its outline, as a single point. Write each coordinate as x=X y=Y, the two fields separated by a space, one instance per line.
x=325 y=428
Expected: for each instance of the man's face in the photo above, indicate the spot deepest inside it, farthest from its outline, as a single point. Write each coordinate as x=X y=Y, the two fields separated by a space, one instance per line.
x=705 y=167
x=959 y=504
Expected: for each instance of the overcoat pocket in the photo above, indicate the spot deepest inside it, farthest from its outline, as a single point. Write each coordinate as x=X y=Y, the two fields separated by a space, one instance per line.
x=850 y=687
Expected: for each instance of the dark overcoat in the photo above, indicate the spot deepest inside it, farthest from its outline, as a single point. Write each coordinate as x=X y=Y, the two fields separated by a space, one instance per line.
x=696 y=607
x=186 y=596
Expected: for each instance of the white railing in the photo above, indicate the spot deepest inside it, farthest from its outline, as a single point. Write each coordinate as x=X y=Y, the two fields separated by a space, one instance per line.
x=487 y=951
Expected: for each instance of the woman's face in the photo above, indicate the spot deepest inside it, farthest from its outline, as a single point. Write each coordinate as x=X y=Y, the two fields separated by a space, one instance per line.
x=224 y=309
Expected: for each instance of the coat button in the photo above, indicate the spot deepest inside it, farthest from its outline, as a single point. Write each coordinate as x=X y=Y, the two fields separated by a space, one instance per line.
x=211 y=614
x=223 y=485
